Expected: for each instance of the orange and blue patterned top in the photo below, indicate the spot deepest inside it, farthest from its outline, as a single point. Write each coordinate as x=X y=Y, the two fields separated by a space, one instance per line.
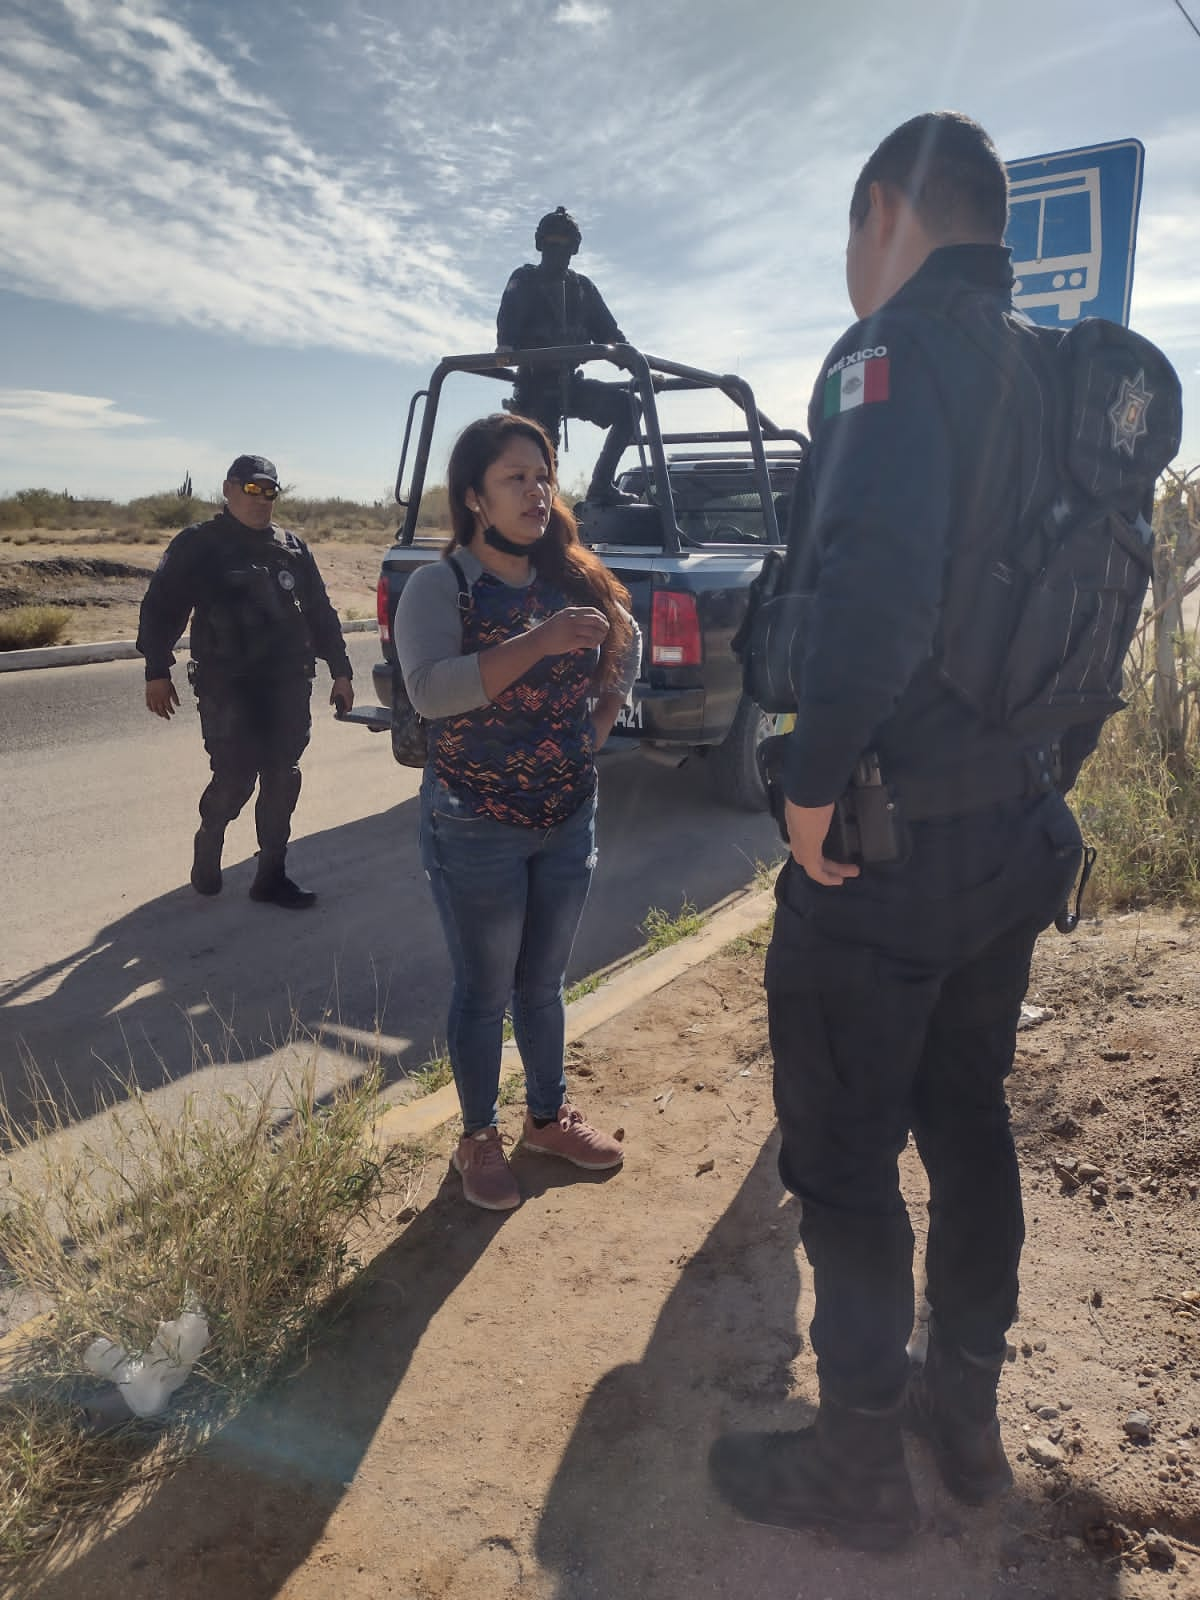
x=528 y=756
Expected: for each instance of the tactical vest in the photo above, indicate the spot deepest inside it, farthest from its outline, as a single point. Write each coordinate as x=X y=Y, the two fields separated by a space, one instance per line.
x=254 y=619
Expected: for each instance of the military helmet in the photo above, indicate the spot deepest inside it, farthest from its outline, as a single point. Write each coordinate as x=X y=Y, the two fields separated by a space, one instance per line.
x=558 y=226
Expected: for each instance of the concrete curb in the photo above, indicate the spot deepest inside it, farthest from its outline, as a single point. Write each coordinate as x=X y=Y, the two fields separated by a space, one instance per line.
x=83 y=655
x=632 y=980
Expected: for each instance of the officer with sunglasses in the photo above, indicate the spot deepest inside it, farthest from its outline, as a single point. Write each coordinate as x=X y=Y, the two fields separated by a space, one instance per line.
x=260 y=617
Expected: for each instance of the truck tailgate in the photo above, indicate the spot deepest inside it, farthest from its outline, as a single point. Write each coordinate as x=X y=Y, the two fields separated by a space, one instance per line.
x=693 y=702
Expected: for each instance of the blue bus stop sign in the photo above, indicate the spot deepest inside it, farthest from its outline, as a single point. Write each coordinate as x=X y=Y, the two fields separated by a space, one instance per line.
x=1072 y=223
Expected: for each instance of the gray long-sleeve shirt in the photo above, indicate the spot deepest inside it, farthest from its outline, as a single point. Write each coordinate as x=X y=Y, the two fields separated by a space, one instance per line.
x=441 y=680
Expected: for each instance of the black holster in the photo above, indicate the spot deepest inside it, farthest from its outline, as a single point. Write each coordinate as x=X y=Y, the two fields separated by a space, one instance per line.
x=867 y=827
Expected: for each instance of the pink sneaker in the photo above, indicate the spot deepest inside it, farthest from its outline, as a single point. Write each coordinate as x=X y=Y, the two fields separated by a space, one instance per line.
x=486 y=1178
x=574 y=1140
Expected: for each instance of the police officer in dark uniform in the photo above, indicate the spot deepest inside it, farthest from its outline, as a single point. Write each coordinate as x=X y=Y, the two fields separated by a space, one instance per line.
x=549 y=304
x=894 y=989
x=260 y=615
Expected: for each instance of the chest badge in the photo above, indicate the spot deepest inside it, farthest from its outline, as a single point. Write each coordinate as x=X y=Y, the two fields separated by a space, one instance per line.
x=287 y=580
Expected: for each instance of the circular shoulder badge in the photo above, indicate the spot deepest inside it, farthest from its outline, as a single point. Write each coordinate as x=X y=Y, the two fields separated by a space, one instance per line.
x=287 y=580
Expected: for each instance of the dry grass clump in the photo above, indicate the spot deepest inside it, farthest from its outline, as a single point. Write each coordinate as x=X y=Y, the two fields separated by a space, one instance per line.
x=27 y=627
x=55 y=1476
x=1138 y=797
x=1140 y=806
x=230 y=1210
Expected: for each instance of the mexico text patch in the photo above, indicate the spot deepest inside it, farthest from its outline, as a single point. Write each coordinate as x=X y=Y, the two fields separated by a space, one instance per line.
x=856 y=380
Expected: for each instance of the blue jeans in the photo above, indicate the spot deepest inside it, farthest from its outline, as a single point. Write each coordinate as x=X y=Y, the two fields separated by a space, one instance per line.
x=510 y=899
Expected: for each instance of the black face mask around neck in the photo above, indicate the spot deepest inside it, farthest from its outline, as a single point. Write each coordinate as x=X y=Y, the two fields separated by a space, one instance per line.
x=509 y=547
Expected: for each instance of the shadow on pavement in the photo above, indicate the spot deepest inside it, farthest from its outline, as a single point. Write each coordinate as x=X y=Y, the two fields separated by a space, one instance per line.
x=183 y=983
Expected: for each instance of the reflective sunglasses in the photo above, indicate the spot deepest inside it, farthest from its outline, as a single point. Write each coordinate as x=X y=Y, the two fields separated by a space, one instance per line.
x=260 y=488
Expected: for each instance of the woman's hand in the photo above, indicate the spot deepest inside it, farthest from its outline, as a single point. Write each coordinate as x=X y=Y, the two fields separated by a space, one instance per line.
x=573 y=628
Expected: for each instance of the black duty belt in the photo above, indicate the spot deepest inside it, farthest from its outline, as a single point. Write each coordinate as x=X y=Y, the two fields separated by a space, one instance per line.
x=975 y=785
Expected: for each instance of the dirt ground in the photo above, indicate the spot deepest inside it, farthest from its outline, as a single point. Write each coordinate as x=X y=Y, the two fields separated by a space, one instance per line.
x=101 y=582
x=520 y=1406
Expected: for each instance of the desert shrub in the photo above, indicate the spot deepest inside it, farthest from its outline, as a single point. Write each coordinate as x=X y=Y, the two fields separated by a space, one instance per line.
x=27 y=627
x=43 y=508
x=35 y=508
x=335 y=519
x=90 y=513
x=313 y=517
x=435 y=508
x=167 y=511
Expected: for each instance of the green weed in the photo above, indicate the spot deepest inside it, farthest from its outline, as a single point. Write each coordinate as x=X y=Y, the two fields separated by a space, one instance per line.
x=512 y=1091
x=662 y=929
x=434 y=1074
x=585 y=986
x=750 y=944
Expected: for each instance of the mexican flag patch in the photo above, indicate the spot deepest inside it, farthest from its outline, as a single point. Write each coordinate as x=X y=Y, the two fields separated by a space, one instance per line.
x=857 y=380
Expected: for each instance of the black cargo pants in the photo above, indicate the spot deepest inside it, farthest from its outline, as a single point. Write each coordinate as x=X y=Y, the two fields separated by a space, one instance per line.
x=255 y=730
x=893 y=1004
x=605 y=404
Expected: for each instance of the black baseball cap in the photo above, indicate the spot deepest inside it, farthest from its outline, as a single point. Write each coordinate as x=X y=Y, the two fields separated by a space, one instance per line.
x=253 y=469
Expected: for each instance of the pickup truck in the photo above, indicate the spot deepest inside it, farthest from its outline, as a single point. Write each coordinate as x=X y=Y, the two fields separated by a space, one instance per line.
x=687 y=550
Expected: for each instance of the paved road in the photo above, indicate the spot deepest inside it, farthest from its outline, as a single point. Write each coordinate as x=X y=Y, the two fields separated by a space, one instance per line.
x=109 y=963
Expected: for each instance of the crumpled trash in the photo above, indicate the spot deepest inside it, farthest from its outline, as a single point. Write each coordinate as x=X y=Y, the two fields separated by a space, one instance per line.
x=148 y=1381
x=1031 y=1016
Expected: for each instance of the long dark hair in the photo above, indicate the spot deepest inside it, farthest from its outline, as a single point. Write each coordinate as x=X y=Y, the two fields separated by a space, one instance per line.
x=559 y=557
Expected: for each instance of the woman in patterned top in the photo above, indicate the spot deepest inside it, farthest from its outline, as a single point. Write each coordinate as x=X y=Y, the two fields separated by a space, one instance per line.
x=520 y=681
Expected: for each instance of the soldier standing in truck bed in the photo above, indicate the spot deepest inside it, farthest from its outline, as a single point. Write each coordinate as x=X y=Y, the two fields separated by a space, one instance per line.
x=548 y=304
x=260 y=617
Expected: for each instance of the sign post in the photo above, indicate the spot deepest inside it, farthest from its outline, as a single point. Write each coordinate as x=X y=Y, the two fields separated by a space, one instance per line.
x=1072 y=224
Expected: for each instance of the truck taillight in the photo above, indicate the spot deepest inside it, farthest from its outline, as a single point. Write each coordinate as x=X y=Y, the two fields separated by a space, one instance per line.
x=381 y=610
x=674 y=630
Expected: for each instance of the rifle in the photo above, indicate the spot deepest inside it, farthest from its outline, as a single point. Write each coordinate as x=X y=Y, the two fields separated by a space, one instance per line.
x=564 y=381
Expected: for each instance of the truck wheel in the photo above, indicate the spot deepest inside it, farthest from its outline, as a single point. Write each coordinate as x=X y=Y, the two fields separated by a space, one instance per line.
x=734 y=772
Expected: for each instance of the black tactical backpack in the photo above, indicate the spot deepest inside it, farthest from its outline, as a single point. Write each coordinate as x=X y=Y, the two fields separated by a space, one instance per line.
x=410 y=736
x=1036 y=620
x=1035 y=629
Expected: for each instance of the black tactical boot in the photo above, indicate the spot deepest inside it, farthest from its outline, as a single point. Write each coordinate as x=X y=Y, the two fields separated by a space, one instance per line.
x=846 y=1474
x=206 y=859
x=272 y=884
x=951 y=1401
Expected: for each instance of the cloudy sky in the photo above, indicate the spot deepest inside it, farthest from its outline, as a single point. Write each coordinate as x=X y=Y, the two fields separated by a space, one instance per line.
x=257 y=226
